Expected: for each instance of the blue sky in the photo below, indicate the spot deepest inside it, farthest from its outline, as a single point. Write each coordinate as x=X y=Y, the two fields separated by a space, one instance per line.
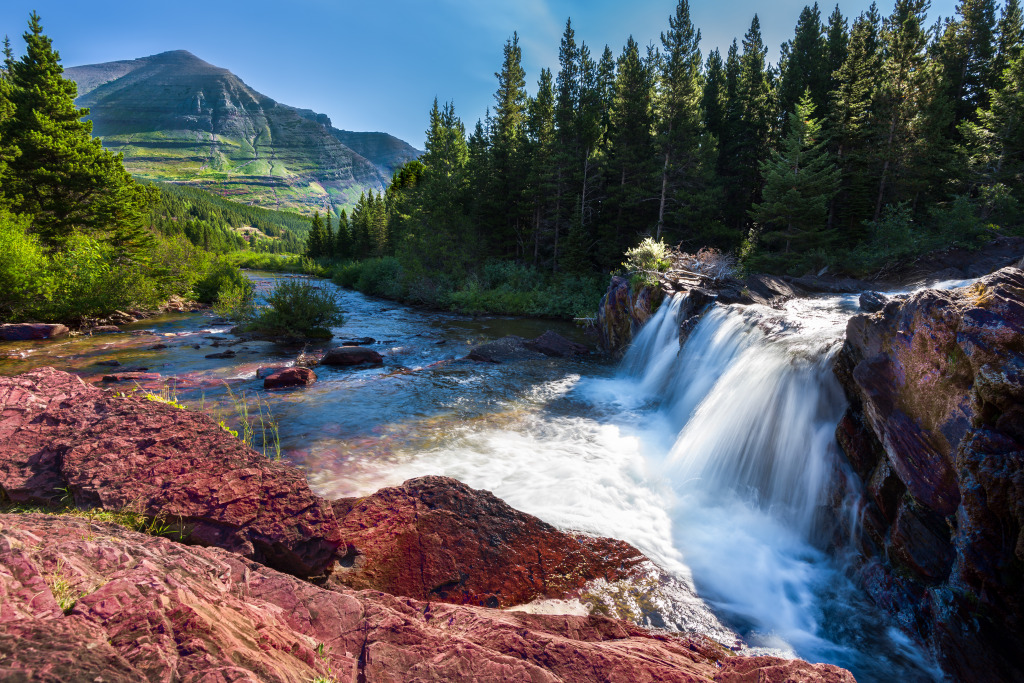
x=378 y=65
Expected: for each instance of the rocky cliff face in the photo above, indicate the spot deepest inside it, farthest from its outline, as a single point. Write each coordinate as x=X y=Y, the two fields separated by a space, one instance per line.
x=935 y=436
x=222 y=598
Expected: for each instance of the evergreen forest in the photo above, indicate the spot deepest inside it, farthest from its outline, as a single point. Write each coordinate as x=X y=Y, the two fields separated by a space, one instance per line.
x=868 y=140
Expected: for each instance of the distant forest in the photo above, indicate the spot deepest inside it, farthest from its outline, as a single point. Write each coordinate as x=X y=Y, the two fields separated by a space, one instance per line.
x=871 y=139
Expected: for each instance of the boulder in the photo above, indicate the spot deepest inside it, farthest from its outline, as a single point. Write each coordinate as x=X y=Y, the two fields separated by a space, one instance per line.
x=66 y=439
x=105 y=329
x=873 y=302
x=146 y=608
x=935 y=435
x=623 y=311
x=553 y=344
x=507 y=349
x=290 y=377
x=223 y=354
x=30 y=331
x=435 y=538
x=263 y=373
x=360 y=341
x=131 y=377
x=351 y=355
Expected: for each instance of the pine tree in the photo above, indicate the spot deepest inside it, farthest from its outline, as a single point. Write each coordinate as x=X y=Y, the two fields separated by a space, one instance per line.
x=567 y=149
x=542 y=174
x=63 y=177
x=713 y=101
x=328 y=245
x=899 y=95
x=631 y=165
x=800 y=180
x=967 y=53
x=850 y=125
x=804 y=65
x=1010 y=40
x=343 y=238
x=837 y=45
x=507 y=162
x=7 y=150
x=315 y=241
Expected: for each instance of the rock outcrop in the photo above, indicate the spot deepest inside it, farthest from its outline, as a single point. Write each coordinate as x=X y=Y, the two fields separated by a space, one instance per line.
x=138 y=608
x=29 y=331
x=64 y=439
x=935 y=434
x=435 y=538
x=289 y=377
x=351 y=355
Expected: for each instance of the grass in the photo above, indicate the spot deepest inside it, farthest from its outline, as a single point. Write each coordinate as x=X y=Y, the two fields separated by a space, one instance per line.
x=129 y=519
x=259 y=422
x=65 y=595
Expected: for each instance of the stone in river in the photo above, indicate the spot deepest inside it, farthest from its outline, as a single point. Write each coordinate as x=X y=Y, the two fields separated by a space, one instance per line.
x=352 y=355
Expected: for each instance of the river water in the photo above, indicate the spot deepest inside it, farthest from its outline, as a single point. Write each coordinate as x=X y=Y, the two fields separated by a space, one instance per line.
x=712 y=457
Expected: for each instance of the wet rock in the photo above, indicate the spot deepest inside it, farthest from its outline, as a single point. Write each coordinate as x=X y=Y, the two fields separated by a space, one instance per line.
x=290 y=377
x=131 y=376
x=936 y=386
x=173 y=465
x=157 y=347
x=553 y=344
x=507 y=349
x=30 y=331
x=148 y=606
x=623 y=311
x=351 y=355
x=435 y=538
x=263 y=373
x=223 y=354
x=121 y=318
x=110 y=363
x=873 y=302
x=142 y=333
x=105 y=329
x=360 y=341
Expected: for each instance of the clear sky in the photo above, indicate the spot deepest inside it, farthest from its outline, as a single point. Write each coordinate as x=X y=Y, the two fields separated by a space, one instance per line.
x=378 y=65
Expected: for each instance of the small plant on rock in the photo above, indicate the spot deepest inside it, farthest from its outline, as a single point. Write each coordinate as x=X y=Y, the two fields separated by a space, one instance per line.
x=644 y=261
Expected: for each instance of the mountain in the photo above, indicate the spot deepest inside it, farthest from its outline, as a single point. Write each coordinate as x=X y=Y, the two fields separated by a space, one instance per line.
x=180 y=119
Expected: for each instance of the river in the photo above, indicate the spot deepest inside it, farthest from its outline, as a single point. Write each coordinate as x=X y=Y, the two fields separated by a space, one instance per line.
x=712 y=457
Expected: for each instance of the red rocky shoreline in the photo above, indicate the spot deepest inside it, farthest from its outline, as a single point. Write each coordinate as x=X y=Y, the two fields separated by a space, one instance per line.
x=259 y=579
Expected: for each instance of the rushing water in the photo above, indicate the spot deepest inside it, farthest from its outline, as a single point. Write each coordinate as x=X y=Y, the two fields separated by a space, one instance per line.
x=711 y=456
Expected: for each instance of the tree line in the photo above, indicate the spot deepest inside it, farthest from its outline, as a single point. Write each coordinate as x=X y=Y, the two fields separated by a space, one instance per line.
x=869 y=139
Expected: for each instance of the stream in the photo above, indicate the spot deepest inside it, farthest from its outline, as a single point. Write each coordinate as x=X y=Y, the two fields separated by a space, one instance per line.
x=712 y=457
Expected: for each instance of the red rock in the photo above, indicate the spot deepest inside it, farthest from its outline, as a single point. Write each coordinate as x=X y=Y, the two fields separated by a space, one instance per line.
x=936 y=386
x=263 y=373
x=436 y=538
x=290 y=377
x=28 y=331
x=132 y=377
x=105 y=329
x=553 y=344
x=175 y=465
x=152 y=609
x=351 y=355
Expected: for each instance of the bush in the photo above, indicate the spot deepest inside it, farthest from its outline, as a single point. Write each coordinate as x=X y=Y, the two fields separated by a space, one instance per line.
x=300 y=309
x=222 y=276
x=645 y=259
x=24 y=280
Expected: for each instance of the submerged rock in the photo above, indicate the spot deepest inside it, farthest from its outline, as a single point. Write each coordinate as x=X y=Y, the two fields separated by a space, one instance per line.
x=64 y=438
x=504 y=350
x=139 y=608
x=290 y=377
x=935 y=435
x=435 y=538
x=105 y=329
x=131 y=376
x=351 y=355
x=30 y=331
x=553 y=344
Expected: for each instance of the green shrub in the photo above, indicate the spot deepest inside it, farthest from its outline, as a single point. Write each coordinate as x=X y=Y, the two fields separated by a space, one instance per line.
x=645 y=259
x=222 y=276
x=299 y=309
x=24 y=278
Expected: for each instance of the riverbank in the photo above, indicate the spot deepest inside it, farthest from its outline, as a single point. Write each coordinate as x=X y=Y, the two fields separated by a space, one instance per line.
x=206 y=609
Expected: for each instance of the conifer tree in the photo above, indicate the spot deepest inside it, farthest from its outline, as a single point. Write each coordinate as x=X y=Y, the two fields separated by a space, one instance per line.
x=1009 y=41
x=967 y=53
x=713 y=100
x=899 y=95
x=567 y=148
x=800 y=180
x=804 y=64
x=508 y=166
x=7 y=150
x=62 y=176
x=542 y=174
x=316 y=238
x=851 y=126
x=328 y=246
x=343 y=238
x=837 y=45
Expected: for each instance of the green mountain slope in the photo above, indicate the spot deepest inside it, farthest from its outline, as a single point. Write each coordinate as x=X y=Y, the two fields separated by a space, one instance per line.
x=180 y=119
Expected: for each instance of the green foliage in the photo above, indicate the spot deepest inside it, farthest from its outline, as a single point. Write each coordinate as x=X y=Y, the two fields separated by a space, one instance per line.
x=24 y=276
x=301 y=309
x=222 y=276
x=645 y=260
